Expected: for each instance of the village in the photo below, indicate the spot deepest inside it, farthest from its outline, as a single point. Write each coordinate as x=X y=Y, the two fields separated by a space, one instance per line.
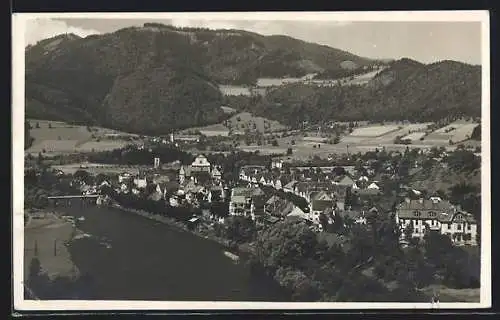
x=319 y=196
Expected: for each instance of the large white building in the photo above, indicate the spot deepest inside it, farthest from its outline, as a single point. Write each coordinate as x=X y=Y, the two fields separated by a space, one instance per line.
x=438 y=215
x=200 y=164
x=243 y=201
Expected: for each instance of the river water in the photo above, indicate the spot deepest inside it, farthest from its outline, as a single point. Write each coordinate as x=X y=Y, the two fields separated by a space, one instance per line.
x=132 y=257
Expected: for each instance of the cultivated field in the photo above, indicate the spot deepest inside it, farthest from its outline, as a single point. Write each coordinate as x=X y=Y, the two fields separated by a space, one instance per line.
x=239 y=123
x=414 y=136
x=456 y=132
x=59 y=137
x=228 y=110
x=230 y=90
x=372 y=138
x=374 y=131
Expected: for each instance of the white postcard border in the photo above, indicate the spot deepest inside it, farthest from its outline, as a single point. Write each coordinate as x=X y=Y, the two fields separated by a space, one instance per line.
x=18 y=34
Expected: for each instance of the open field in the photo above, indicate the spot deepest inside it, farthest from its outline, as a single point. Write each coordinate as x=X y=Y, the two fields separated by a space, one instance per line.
x=59 y=137
x=383 y=135
x=373 y=131
x=228 y=110
x=210 y=130
x=464 y=132
x=230 y=90
x=240 y=122
x=456 y=132
x=314 y=139
x=96 y=168
x=414 y=136
x=307 y=147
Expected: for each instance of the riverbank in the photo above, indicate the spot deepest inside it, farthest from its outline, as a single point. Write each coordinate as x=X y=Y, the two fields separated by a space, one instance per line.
x=46 y=236
x=181 y=226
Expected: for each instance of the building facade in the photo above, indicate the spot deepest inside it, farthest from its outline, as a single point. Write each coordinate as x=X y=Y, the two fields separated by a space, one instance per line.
x=435 y=214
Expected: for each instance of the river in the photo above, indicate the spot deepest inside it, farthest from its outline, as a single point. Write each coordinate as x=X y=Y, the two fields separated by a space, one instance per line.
x=132 y=257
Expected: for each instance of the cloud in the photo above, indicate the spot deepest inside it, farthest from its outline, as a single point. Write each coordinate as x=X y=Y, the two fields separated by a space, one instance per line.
x=40 y=29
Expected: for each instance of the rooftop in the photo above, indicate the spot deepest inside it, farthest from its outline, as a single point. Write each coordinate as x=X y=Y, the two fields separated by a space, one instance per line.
x=247 y=192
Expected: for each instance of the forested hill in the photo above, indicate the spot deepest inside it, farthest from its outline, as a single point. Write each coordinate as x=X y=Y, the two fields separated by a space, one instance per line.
x=406 y=90
x=157 y=77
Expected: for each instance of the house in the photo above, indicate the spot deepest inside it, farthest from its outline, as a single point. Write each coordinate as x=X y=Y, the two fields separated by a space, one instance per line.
x=374 y=186
x=140 y=181
x=277 y=164
x=344 y=181
x=438 y=215
x=301 y=189
x=161 y=190
x=217 y=173
x=248 y=172
x=355 y=215
x=200 y=164
x=124 y=176
x=215 y=194
x=319 y=202
x=124 y=188
x=184 y=172
x=193 y=190
x=278 y=207
x=177 y=199
x=257 y=207
x=290 y=187
x=241 y=201
x=277 y=184
x=297 y=213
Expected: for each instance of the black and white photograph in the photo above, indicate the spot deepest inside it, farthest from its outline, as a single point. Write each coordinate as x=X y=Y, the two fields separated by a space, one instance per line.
x=257 y=160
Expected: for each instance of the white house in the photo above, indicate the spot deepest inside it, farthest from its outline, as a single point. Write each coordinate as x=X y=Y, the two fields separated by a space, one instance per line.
x=277 y=163
x=125 y=176
x=438 y=215
x=201 y=164
x=373 y=185
x=140 y=182
x=277 y=184
x=241 y=201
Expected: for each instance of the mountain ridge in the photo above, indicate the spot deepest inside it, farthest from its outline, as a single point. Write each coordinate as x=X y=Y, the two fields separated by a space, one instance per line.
x=157 y=78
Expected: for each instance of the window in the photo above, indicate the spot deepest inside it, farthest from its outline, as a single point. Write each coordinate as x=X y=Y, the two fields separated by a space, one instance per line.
x=459 y=227
x=468 y=227
x=449 y=225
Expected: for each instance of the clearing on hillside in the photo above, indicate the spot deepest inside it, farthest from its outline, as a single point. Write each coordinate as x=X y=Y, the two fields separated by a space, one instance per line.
x=61 y=137
x=374 y=131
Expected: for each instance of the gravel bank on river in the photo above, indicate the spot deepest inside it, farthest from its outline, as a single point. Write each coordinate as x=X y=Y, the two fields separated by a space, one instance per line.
x=46 y=236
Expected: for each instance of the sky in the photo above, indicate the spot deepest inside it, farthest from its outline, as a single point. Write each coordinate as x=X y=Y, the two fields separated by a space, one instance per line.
x=424 y=41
